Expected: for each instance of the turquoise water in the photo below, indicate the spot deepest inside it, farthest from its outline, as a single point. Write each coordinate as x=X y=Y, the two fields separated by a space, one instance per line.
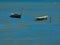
x=27 y=31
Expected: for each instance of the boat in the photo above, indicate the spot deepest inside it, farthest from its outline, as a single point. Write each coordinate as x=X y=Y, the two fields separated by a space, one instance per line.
x=14 y=15
x=41 y=18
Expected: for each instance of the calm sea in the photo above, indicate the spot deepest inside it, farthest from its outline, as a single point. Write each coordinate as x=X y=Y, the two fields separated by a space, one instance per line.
x=28 y=31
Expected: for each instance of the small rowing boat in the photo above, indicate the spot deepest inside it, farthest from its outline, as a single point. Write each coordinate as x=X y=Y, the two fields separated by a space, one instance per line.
x=41 y=18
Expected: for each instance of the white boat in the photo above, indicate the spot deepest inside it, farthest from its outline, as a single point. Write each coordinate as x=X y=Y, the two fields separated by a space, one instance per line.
x=42 y=18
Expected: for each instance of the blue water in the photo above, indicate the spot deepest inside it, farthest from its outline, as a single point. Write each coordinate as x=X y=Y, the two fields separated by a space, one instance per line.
x=29 y=0
x=27 y=31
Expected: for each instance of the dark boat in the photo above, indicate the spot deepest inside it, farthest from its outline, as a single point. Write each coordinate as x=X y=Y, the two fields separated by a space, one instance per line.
x=15 y=16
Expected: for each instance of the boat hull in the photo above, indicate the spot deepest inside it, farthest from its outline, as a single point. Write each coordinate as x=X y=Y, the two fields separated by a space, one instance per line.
x=15 y=16
x=41 y=19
